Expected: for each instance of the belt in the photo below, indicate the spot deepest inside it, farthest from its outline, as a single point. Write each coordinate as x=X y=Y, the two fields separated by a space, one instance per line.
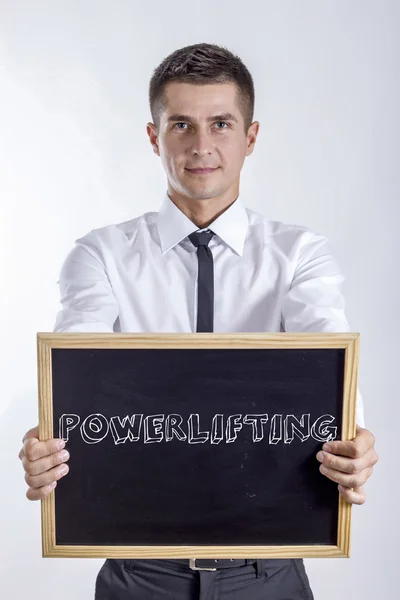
x=212 y=564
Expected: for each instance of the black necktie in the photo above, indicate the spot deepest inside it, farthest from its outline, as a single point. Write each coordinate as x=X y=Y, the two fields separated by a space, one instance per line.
x=205 y=280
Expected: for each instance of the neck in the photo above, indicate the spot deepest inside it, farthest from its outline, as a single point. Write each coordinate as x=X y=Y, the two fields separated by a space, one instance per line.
x=202 y=212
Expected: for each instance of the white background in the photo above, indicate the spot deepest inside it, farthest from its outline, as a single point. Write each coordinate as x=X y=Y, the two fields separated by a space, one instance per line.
x=74 y=155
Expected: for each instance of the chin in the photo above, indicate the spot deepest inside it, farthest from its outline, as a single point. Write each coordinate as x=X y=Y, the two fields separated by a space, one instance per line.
x=205 y=194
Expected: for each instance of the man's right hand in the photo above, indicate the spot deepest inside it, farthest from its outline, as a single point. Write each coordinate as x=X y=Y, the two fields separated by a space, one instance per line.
x=44 y=463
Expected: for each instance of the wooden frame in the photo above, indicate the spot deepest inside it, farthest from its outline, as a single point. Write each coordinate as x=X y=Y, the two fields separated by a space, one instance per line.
x=47 y=341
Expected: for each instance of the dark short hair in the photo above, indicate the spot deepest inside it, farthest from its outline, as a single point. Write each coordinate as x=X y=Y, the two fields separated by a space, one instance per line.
x=202 y=64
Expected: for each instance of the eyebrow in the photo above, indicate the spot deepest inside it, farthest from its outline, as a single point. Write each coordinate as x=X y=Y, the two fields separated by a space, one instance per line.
x=223 y=117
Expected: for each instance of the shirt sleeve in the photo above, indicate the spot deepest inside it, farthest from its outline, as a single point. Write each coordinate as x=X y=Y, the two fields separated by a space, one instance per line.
x=87 y=299
x=314 y=301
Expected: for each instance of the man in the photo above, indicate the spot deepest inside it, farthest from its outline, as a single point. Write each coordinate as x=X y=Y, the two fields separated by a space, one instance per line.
x=204 y=262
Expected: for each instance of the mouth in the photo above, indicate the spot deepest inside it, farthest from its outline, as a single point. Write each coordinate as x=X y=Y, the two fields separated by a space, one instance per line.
x=201 y=171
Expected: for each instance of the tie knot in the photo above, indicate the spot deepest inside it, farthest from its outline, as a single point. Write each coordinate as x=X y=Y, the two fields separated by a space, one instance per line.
x=201 y=238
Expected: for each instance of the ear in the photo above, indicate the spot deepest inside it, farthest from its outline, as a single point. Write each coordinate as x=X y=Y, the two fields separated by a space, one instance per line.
x=252 y=136
x=153 y=135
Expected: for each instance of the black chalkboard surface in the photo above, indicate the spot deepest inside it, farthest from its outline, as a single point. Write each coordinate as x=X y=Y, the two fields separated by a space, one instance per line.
x=196 y=444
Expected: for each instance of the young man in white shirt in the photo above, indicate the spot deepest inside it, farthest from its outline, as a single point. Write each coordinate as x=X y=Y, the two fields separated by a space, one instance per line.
x=141 y=276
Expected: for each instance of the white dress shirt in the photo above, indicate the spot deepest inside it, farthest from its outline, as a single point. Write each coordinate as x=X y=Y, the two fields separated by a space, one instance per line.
x=141 y=276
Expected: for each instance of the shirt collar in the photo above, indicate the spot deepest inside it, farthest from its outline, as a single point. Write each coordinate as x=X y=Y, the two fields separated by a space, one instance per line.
x=173 y=225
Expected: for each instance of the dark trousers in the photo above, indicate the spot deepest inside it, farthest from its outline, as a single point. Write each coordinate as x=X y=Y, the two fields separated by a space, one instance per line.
x=269 y=579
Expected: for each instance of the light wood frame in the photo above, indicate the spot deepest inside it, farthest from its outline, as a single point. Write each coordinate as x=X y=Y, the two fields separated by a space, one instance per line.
x=47 y=341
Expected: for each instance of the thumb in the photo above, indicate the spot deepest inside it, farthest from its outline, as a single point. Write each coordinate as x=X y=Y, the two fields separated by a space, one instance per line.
x=32 y=433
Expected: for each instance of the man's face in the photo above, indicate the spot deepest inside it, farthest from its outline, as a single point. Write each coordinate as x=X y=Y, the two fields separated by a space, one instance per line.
x=202 y=128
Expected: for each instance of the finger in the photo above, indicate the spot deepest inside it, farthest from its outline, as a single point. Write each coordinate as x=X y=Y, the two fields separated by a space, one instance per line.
x=34 y=449
x=39 y=493
x=356 y=496
x=347 y=465
x=44 y=464
x=341 y=448
x=38 y=481
x=350 y=481
x=355 y=448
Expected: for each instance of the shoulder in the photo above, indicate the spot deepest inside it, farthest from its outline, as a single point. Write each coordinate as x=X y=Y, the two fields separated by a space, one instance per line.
x=110 y=237
x=287 y=237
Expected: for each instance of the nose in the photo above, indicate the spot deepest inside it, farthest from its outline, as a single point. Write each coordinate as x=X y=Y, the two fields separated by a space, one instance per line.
x=202 y=144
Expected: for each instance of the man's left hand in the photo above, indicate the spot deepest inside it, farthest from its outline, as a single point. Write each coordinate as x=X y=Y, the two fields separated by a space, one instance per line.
x=350 y=464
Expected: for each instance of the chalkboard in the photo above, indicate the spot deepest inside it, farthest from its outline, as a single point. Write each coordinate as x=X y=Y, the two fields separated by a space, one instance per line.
x=191 y=445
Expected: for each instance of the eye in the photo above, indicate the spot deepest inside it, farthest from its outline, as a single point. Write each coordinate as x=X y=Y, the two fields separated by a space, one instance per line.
x=223 y=123
x=182 y=123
